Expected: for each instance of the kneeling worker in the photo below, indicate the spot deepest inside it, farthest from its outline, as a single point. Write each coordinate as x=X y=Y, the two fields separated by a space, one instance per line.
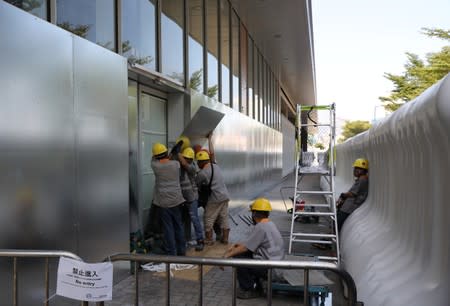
x=264 y=242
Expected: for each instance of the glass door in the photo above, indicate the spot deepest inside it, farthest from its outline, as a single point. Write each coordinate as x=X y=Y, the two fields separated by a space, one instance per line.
x=153 y=128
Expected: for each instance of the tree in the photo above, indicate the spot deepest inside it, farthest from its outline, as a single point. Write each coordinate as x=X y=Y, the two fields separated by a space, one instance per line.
x=419 y=75
x=352 y=128
x=79 y=29
x=26 y=5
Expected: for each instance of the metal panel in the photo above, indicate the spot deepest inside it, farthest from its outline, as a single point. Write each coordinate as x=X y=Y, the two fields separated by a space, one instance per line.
x=36 y=133
x=204 y=121
x=63 y=147
x=288 y=131
x=100 y=86
x=249 y=153
x=36 y=144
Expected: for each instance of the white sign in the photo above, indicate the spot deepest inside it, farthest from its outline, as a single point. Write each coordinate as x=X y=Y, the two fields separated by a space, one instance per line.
x=85 y=282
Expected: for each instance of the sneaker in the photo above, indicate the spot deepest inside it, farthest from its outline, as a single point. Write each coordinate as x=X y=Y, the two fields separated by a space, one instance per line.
x=247 y=294
x=262 y=287
x=200 y=246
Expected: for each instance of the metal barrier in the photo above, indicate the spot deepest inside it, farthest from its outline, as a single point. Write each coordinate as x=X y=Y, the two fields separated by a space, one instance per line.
x=14 y=254
x=234 y=263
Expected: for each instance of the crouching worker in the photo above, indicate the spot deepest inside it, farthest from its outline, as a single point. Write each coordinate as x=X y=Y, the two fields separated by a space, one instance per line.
x=264 y=242
x=352 y=199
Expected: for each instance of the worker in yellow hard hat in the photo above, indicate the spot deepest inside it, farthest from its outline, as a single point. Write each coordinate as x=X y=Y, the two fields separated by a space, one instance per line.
x=264 y=242
x=190 y=193
x=213 y=196
x=349 y=201
x=168 y=197
x=357 y=194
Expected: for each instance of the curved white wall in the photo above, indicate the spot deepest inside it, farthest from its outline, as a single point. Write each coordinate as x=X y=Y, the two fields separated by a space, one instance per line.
x=396 y=245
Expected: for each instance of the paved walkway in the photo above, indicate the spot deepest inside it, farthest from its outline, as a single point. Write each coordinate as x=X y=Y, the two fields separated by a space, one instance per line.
x=217 y=283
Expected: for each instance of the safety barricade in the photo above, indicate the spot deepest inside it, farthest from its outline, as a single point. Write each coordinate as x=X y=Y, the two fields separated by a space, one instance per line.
x=306 y=266
x=15 y=254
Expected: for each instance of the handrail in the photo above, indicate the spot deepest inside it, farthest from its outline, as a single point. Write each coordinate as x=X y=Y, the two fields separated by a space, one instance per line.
x=201 y=261
x=14 y=254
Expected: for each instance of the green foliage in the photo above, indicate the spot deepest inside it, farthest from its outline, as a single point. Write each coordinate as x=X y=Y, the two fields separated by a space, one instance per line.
x=26 y=5
x=352 y=128
x=418 y=75
x=212 y=91
x=132 y=59
x=320 y=146
x=80 y=29
x=196 y=80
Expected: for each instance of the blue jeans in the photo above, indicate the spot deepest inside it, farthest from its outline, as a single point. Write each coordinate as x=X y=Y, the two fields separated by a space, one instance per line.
x=193 y=213
x=173 y=230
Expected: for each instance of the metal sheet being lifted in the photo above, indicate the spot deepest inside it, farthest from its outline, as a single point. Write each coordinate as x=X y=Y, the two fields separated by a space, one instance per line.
x=203 y=122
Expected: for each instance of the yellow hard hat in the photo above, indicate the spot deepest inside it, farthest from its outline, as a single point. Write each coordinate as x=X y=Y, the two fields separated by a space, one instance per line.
x=361 y=163
x=202 y=156
x=186 y=142
x=261 y=204
x=188 y=153
x=158 y=149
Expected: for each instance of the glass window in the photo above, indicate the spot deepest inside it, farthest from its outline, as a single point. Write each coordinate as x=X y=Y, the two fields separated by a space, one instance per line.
x=250 y=80
x=225 y=50
x=260 y=87
x=235 y=58
x=37 y=8
x=172 y=21
x=270 y=95
x=213 y=46
x=196 y=45
x=138 y=32
x=263 y=91
x=90 y=19
x=244 y=70
x=256 y=81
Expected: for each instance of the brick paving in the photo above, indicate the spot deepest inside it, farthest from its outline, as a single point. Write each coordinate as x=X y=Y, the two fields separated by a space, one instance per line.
x=217 y=284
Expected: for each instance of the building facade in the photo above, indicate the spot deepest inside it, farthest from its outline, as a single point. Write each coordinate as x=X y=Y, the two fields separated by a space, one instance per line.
x=102 y=80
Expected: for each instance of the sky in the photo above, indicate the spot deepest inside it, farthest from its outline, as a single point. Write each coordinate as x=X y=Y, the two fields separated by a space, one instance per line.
x=357 y=41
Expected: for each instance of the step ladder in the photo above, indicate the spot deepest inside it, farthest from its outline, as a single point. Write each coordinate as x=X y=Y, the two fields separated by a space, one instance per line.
x=307 y=124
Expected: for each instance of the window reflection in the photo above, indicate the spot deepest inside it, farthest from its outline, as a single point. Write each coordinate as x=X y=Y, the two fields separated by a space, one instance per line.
x=36 y=7
x=172 y=21
x=235 y=57
x=225 y=50
x=256 y=81
x=196 y=45
x=90 y=19
x=213 y=45
x=250 y=80
x=139 y=32
x=244 y=70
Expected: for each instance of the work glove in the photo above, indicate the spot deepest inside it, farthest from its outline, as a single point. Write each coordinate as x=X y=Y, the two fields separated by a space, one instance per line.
x=176 y=148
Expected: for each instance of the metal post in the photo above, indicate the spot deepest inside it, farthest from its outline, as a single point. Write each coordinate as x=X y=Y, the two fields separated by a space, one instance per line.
x=136 y=278
x=233 y=283
x=46 y=282
x=200 y=279
x=306 y=287
x=269 y=287
x=168 y=284
x=15 y=303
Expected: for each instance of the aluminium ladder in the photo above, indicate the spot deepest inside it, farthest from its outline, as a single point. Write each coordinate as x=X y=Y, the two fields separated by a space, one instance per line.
x=328 y=209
